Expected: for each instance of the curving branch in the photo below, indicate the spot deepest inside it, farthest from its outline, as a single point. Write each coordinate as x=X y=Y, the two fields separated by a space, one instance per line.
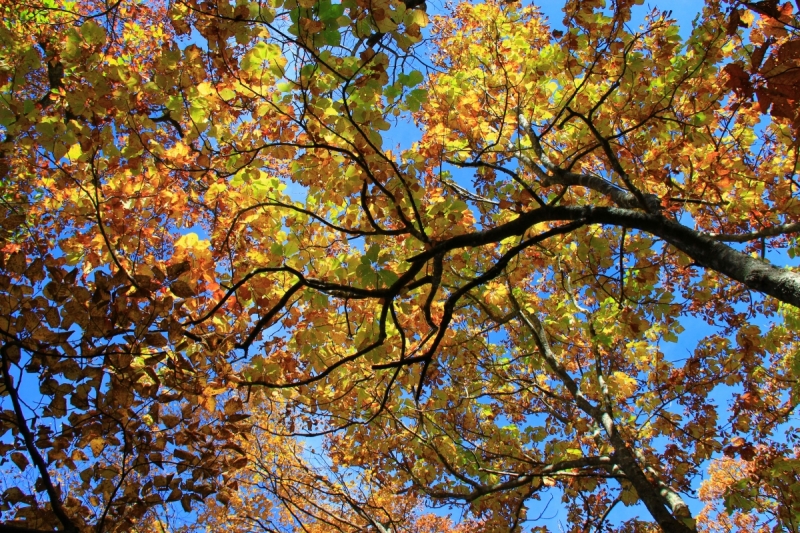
x=754 y=273
x=266 y=319
x=30 y=445
x=552 y=174
x=774 y=231
x=520 y=480
x=657 y=500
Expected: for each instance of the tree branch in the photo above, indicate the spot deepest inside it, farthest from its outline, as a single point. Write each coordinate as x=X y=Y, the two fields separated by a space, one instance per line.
x=559 y=176
x=773 y=231
x=704 y=250
x=33 y=451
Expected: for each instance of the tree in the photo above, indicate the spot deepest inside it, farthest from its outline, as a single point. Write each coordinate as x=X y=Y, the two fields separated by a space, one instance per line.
x=741 y=486
x=211 y=251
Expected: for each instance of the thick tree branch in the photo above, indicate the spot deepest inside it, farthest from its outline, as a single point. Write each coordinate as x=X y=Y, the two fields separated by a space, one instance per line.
x=166 y=117
x=655 y=499
x=703 y=249
x=559 y=176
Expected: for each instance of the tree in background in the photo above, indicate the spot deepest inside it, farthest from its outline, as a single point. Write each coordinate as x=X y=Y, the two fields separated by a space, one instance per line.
x=228 y=301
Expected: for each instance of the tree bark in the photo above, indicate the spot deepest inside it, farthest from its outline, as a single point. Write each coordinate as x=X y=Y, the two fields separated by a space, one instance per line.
x=755 y=274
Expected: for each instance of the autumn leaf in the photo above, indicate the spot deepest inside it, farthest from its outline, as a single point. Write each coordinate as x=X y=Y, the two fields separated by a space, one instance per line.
x=338 y=265
x=20 y=460
x=181 y=289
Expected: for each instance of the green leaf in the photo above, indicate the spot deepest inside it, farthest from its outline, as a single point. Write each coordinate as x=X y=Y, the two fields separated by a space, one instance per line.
x=796 y=364
x=365 y=272
x=291 y=248
x=415 y=77
x=199 y=114
x=328 y=11
x=391 y=92
x=736 y=502
x=388 y=277
x=331 y=36
x=415 y=99
x=372 y=253
x=92 y=33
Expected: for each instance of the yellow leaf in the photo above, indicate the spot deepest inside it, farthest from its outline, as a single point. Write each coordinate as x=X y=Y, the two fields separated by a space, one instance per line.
x=74 y=152
x=191 y=241
x=97 y=445
x=208 y=402
x=623 y=383
x=204 y=88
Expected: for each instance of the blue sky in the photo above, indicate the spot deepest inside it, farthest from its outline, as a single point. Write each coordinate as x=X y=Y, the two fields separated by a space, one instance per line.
x=552 y=511
x=684 y=11
x=404 y=134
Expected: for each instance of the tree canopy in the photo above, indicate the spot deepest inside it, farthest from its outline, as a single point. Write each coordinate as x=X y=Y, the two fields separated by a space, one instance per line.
x=389 y=266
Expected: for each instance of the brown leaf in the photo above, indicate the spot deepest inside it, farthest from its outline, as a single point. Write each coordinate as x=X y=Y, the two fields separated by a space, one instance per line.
x=173 y=271
x=232 y=406
x=20 y=460
x=311 y=26
x=748 y=452
x=157 y=459
x=86 y=475
x=14 y=495
x=146 y=283
x=186 y=503
x=733 y=22
x=17 y=263
x=239 y=463
x=55 y=455
x=738 y=442
x=156 y=339
x=158 y=273
x=12 y=222
x=235 y=447
x=35 y=271
x=738 y=80
x=758 y=56
x=765 y=99
x=52 y=317
x=789 y=53
x=175 y=495
x=55 y=291
x=748 y=400
x=97 y=445
x=183 y=455
x=181 y=289
x=170 y=420
x=152 y=374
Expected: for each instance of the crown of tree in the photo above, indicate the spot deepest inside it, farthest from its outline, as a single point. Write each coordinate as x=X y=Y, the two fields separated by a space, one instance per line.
x=385 y=266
